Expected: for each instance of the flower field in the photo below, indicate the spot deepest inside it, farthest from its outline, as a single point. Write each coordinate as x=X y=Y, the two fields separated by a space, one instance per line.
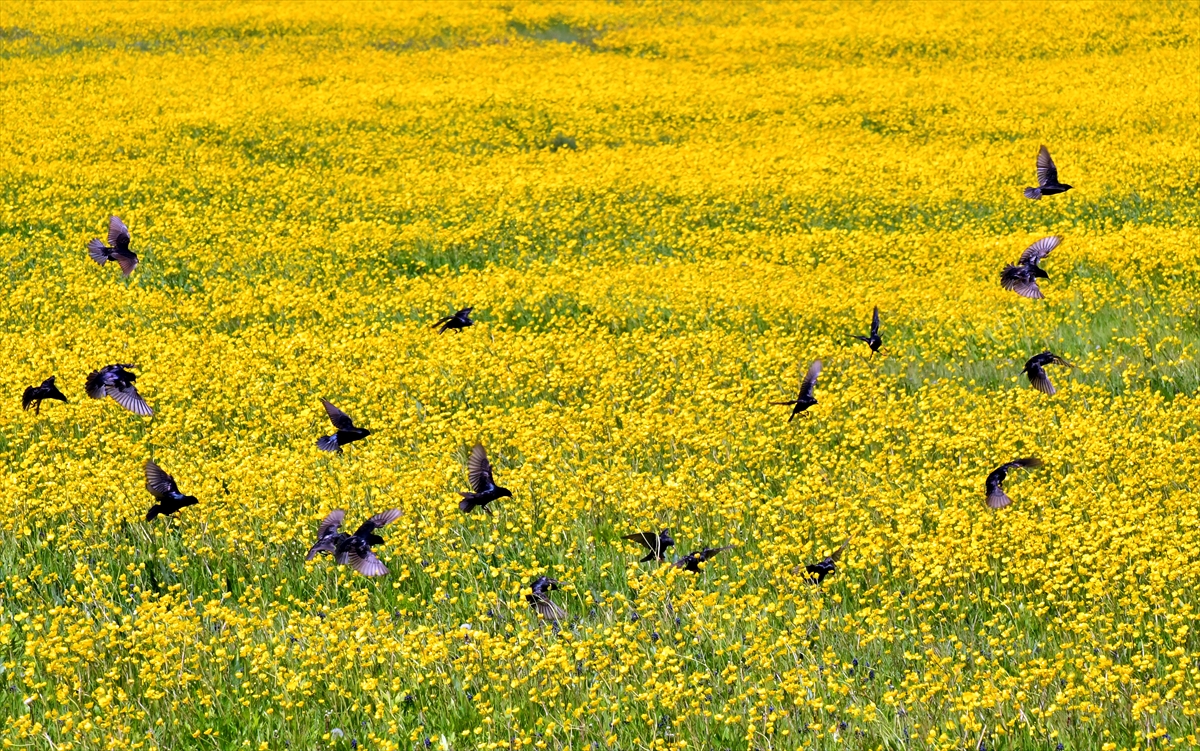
x=661 y=215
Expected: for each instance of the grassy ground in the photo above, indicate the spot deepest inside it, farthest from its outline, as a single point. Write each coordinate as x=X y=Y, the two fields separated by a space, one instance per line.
x=661 y=215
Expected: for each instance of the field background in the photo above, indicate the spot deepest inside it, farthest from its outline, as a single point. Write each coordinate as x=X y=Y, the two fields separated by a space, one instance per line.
x=661 y=216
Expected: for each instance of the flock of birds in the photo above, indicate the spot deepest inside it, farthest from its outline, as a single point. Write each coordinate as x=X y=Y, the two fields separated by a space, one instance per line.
x=355 y=550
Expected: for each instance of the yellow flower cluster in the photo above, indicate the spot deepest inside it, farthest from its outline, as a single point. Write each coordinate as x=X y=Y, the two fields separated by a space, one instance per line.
x=661 y=215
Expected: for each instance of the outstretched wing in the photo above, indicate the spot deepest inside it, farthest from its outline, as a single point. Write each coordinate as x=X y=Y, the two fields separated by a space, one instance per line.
x=331 y=523
x=381 y=519
x=1040 y=249
x=875 y=322
x=837 y=554
x=1039 y=380
x=118 y=233
x=367 y=565
x=479 y=470
x=997 y=498
x=340 y=419
x=810 y=380
x=646 y=539
x=130 y=399
x=547 y=609
x=1046 y=171
x=159 y=483
x=1013 y=280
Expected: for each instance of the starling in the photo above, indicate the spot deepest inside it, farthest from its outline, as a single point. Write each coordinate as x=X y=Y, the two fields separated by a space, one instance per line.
x=35 y=394
x=346 y=432
x=162 y=486
x=541 y=603
x=456 y=322
x=826 y=567
x=1022 y=277
x=355 y=550
x=483 y=488
x=1035 y=370
x=691 y=561
x=116 y=381
x=328 y=536
x=996 y=497
x=874 y=341
x=117 y=248
x=656 y=543
x=1047 y=173
x=806 y=398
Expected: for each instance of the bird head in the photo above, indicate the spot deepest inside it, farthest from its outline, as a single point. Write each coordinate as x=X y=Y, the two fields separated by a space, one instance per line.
x=1039 y=273
x=503 y=493
x=665 y=537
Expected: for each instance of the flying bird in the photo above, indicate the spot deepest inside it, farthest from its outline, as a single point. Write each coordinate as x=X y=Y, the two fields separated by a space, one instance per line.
x=1022 y=276
x=874 y=341
x=541 y=603
x=827 y=566
x=806 y=398
x=655 y=542
x=1047 y=175
x=34 y=395
x=691 y=561
x=353 y=550
x=484 y=489
x=346 y=432
x=117 y=248
x=1035 y=370
x=996 y=497
x=456 y=322
x=116 y=381
x=166 y=493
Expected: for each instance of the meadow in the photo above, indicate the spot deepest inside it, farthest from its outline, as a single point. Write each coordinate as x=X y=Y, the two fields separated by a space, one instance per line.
x=661 y=215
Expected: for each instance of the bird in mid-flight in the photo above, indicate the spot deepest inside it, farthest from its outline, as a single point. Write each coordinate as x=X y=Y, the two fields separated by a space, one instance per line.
x=806 y=398
x=456 y=322
x=353 y=550
x=1022 y=276
x=117 y=248
x=691 y=561
x=541 y=603
x=1047 y=175
x=827 y=566
x=346 y=432
x=34 y=395
x=166 y=493
x=996 y=497
x=484 y=489
x=116 y=381
x=874 y=341
x=655 y=542
x=1035 y=371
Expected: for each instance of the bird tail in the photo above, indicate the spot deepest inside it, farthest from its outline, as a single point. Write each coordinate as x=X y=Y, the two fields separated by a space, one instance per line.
x=1033 y=194
x=152 y=514
x=97 y=252
x=466 y=504
x=328 y=443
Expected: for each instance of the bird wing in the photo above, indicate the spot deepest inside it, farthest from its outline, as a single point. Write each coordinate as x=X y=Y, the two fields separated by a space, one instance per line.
x=1059 y=361
x=647 y=539
x=331 y=523
x=367 y=564
x=997 y=498
x=1025 y=287
x=875 y=322
x=28 y=397
x=710 y=552
x=126 y=259
x=1040 y=249
x=118 y=233
x=381 y=519
x=479 y=470
x=1039 y=380
x=810 y=380
x=836 y=555
x=158 y=482
x=547 y=609
x=95 y=385
x=340 y=419
x=1046 y=171
x=1031 y=462
x=130 y=399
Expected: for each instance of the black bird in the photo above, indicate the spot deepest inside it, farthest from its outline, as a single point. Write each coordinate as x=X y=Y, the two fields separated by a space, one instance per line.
x=353 y=550
x=806 y=398
x=116 y=381
x=456 y=322
x=541 y=603
x=162 y=486
x=117 y=248
x=996 y=497
x=1022 y=277
x=1047 y=174
x=827 y=566
x=35 y=394
x=484 y=489
x=691 y=561
x=874 y=341
x=656 y=543
x=1035 y=370
x=346 y=432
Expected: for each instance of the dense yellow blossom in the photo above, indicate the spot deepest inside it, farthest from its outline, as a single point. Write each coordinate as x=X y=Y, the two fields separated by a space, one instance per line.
x=661 y=215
